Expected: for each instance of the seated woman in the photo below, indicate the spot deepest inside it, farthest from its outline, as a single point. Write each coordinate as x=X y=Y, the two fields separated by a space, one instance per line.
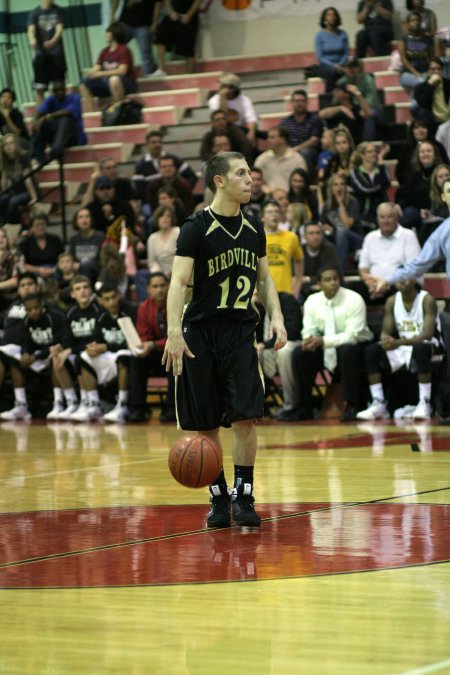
x=418 y=132
x=21 y=191
x=9 y=272
x=438 y=211
x=85 y=245
x=300 y=193
x=415 y=47
x=40 y=249
x=429 y=21
x=340 y=161
x=369 y=181
x=331 y=48
x=414 y=194
x=161 y=245
x=113 y=74
x=340 y=218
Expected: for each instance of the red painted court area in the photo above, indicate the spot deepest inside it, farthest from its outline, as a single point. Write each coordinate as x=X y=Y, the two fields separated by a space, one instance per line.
x=110 y=547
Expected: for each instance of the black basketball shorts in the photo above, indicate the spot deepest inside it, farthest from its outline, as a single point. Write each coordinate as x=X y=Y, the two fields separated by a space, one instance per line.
x=224 y=382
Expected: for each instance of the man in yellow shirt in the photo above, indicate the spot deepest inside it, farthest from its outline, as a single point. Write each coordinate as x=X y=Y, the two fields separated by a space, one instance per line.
x=284 y=253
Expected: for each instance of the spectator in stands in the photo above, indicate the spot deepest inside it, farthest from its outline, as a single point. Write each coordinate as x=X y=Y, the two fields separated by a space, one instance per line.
x=178 y=32
x=435 y=249
x=341 y=161
x=106 y=359
x=376 y=17
x=418 y=132
x=280 y=196
x=21 y=192
x=123 y=187
x=438 y=211
x=85 y=245
x=334 y=334
x=168 y=177
x=40 y=248
x=348 y=107
x=148 y=165
x=11 y=119
x=284 y=252
x=113 y=74
x=273 y=362
x=318 y=253
x=151 y=325
x=433 y=96
x=304 y=128
x=340 y=218
x=112 y=268
x=45 y=26
x=105 y=207
x=220 y=126
x=58 y=124
x=161 y=245
x=9 y=271
x=331 y=47
x=365 y=83
x=80 y=330
x=414 y=194
x=327 y=152
x=240 y=110
x=42 y=334
x=65 y=271
x=12 y=321
x=386 y=248
x=444 y=56
x=410 y=336
x=443 y=137
x=416 y=49
x=168 y=196
x=257 y=194
x=299 y=192
x=369 y=180
x=296 y=217
x=428 y=17
x=139 y=20
x=278 y=162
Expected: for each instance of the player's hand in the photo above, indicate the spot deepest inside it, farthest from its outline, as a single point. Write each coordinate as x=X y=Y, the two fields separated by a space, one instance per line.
x=312 y=343
x=173 y=354
x=388 y=343
x=277 y=328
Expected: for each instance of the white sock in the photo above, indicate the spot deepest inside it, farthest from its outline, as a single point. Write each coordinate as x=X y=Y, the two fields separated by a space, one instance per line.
x=84 y=397
x=20 y=395
x=93 y=397
x=424 y=391
x=70 y=396
x=123 y=397
x=376 y=391
x=58 y=397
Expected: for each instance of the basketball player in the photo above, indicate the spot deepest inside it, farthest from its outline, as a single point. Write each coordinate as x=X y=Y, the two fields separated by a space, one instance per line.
x=212 y=350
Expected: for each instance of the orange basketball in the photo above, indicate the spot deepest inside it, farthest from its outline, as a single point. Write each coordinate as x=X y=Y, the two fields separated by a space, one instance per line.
x=195 y=461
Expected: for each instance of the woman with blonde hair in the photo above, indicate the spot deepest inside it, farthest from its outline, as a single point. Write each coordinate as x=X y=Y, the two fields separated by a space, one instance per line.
x=296 y=217
x=438 y=211
x=161 y=244
x=340 y=162
x=340 y=218
x=21 y=191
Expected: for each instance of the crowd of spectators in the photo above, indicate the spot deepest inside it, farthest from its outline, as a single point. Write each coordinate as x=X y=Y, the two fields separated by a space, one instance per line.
x=320 y=187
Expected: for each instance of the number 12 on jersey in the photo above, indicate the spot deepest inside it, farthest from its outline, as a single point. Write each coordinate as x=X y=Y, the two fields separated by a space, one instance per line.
x=244 y=287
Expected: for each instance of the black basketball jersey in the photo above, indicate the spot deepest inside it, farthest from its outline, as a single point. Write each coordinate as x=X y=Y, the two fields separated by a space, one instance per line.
x=40 y=335
x=111 y=332
x=226 y=252
x=81 y=327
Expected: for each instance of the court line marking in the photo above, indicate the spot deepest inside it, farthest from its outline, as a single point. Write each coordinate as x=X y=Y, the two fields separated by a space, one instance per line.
x=167 y=537
x=432 y=668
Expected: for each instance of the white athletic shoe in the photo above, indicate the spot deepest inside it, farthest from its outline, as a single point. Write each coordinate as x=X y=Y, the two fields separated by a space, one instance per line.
x=376 y=411
x=66 y=413
x=159 y=73
x=19 y=412
x=423 y=410
x=118 y=414
x=404 y=413
x=55 y=411
x=80 y=414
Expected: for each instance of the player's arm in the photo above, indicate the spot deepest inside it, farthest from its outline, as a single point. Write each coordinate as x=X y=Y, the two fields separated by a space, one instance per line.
x=430 y=311
x=269 y=297
x=387 y=341
x=175 y=345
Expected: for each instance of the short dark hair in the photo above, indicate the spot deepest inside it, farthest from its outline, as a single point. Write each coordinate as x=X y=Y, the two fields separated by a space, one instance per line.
x=8 y=90
x=79 y=279
x=322 y=17
x=311 y=223
x=28 y=275
x=107 y=288
x=219 y=165
x=299 y=92
x=219 y=111
x=410 y=5
x=329 y=268
x=282 y=132
x=269 y=202
x=256 y=169
x=151 y=134
x=414 y=12
x=434 y=59
x=157 y=274
x=33 y=296
x=117 y=32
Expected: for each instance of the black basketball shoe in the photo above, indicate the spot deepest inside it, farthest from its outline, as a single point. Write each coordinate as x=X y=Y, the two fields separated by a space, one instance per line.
x=219 y=513
x=242 y=508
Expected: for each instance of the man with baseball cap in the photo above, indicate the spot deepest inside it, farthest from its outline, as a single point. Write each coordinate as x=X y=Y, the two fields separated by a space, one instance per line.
x=239 y=107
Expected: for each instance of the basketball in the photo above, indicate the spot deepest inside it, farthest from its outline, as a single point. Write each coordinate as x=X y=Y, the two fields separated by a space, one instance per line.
x=195 y=461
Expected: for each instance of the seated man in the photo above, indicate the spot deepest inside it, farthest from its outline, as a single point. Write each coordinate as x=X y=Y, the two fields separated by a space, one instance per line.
x=151 y=325
x=105 y=359
x=240 y=109
x=11 y=119
x=412 y=315
x=348 y=107
x=168 y=176
x=123 y=187
x=58 y=123
x=279 y=161
x=284 y=252
x=317 y=252
x=280 y=361
x=106 y=207
x=221 y=126
x=304 y=128
x=334 y=334
x=433 y=96
x=41 y=335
